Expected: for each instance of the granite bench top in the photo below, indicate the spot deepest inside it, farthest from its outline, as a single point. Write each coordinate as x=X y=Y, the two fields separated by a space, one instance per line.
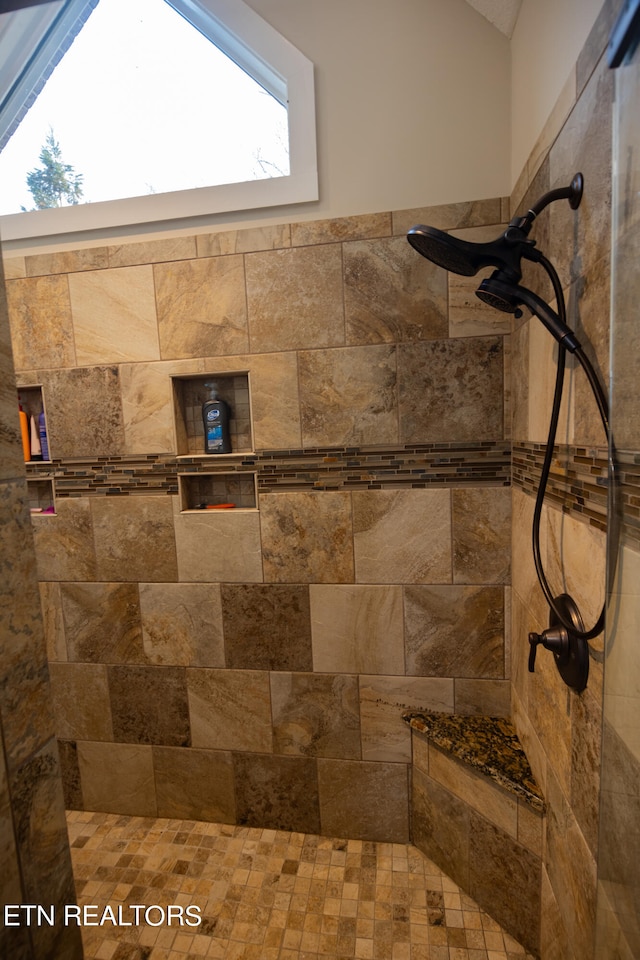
x=489 y=744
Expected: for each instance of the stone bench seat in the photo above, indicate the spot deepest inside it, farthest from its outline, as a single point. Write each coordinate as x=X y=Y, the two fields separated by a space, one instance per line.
x=478 y=813
x=488 y=744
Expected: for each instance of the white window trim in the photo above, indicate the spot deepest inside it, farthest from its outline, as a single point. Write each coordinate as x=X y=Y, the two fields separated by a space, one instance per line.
x=278 y=66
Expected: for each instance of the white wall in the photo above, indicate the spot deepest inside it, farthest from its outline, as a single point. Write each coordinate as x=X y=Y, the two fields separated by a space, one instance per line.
x=547 y=39
x=412 y=99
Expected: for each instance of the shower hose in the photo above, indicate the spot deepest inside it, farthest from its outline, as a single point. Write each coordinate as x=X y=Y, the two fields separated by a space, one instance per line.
x=603 y=410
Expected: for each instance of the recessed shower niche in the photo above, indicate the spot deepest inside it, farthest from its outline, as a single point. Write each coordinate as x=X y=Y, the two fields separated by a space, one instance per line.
x=217 y=491
x=37 y=451
x=213 y=489
x=189 y=395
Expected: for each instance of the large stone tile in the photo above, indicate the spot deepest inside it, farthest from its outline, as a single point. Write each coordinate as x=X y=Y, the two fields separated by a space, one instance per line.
x=147 y=408
x=40 y=320
x=66 y=261
x=84 y=411
x=476 y=789
x=182 y=624
x=149 y=705
x=440 y=826
x=586 y=757
x=151 y=251
x=230 y=709
x=267 y=626
x=307 y=537
x=11 y=455
x=450 y=216
x=454 y=631
x=25 y=706
x=482 y=535
x=572 y=871
x=365 y=801
x=523 y=572
x=14 y=942
x=52 y=621
x=402 y=536
x=102 y=622
x=392 y=294
x=383 y=700
x=81 y=703
x=43 y=847
x=357 y=227
x=589 y=312
x=70 y=772
x=357 y=628
x=118 y=778
x=134 y=538
x=277 y=793
x=576 y=559
x=248 y=240
x=580 y=238
x=348 y=396
x=505 y=878
x=220 y=548
x=201 y=307
x=519 y=383
x=194 y=784
x=106 y=302
x=489 y=698
x=294 y=298
x=65 y=548
x=315 y=715
x=555 y=943
x=451 y=390
x=275 y=403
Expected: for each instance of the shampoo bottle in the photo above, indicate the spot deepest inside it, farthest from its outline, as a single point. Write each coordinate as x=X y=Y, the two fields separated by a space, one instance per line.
x=24 y=430
x=44 y=441
x=36 y=451
x=215 y=416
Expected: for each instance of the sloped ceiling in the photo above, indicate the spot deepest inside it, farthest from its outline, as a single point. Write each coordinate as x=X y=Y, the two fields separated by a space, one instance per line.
x=501 y=13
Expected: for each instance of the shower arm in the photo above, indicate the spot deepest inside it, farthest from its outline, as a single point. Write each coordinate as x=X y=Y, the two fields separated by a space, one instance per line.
x=572 y=193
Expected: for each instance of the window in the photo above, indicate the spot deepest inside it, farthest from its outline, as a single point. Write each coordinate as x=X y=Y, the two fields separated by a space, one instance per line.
x=259 y=64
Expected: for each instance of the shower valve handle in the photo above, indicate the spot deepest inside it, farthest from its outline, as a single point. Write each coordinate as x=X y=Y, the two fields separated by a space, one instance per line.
x=555 y=639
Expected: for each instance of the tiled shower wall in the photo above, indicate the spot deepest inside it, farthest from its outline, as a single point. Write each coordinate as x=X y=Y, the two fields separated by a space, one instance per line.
x=562 y=731
x=34 y=852
x=251 y=666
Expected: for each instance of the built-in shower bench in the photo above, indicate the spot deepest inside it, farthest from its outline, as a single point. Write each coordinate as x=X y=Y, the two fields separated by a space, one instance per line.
x=478 y=813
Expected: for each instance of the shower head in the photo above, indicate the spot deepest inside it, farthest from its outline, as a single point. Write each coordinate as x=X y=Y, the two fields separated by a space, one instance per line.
x=466 y=258
x=500 y=295
x=445 y=251
x=504 y=295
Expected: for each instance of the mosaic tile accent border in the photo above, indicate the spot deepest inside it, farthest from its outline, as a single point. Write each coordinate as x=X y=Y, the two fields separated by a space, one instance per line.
x=487 y=463
x=578 y=483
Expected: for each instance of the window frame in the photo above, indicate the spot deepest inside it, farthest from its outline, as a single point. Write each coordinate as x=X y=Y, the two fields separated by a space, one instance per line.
x=276 y=65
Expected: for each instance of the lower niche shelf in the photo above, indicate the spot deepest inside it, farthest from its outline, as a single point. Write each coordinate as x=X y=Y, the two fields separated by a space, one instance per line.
x=41 y=497
x=213 y=492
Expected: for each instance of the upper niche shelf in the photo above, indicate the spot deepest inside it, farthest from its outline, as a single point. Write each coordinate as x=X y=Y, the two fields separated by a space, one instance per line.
x=31 y=400
x=189 y=393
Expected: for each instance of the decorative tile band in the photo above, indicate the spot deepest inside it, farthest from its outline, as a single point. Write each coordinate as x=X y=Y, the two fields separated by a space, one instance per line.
x=579 y=483
x=486 y=463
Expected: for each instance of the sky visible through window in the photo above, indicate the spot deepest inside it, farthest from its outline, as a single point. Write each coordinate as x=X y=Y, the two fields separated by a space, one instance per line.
x=143 y=103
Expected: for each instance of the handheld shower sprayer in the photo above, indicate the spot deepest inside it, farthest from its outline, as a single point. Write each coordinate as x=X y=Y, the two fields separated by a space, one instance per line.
x=566 y=636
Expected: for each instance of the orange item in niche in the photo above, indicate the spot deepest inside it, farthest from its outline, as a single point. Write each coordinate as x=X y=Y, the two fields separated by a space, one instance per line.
x=220 y=506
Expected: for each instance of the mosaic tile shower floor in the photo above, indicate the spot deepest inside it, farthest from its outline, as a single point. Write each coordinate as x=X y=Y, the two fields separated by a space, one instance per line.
x=267 y=894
